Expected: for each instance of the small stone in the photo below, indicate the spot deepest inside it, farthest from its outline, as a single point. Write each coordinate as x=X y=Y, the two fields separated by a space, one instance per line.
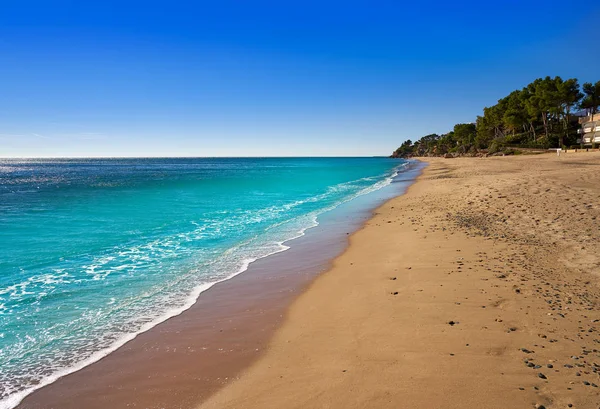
x=550 y=366
x=542 y=376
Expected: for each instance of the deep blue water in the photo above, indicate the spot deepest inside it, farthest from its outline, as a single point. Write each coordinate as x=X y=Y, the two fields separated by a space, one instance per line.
x=94 y=251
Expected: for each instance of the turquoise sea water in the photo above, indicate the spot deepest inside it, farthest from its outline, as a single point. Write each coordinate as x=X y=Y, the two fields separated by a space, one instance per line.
x=94 y=251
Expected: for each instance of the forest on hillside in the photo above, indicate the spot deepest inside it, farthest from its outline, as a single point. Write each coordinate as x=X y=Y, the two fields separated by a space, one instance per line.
x=541 y=115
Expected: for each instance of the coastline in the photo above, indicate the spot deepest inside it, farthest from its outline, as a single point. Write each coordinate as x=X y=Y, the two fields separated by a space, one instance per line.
x=251 y=304
x=479 y=287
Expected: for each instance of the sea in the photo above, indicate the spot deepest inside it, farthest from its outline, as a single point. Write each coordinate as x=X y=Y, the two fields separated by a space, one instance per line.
x=96 y=251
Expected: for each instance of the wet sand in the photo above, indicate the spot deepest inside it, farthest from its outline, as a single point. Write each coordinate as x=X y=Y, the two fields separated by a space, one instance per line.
x=478 y=288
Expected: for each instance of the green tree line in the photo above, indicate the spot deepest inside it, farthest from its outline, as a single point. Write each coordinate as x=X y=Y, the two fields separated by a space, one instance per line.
x=538 y=116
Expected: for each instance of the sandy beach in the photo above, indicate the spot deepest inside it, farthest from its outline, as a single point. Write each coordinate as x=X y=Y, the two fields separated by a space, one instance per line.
x=477 y=288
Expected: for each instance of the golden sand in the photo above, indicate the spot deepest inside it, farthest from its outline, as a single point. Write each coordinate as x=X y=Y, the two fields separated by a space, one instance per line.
x=479 y=288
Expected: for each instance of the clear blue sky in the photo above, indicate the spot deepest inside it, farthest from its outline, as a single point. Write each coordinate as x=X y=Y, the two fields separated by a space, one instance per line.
x=258 y=78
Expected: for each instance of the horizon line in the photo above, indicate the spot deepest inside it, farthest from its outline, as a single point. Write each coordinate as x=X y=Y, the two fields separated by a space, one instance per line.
x=184 y=157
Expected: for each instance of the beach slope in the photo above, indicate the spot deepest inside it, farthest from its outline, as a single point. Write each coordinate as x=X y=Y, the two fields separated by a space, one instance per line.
x=477 y=288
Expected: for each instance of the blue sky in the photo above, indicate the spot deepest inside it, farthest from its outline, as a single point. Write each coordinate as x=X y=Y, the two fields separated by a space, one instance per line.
x=258 y=78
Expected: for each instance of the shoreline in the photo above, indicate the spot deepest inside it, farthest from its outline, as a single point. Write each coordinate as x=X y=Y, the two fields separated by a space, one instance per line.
x=490 y=289
x=218 y=306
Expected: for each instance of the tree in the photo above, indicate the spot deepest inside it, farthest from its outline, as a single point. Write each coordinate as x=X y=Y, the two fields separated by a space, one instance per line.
x=405 y=150
x=515 y=117
x=591 y=100
x=531 y=120
x=485 y=130
x=426 y=144
x=465 y=134
x=541 y=101
x=446 y=143
x=567 y=96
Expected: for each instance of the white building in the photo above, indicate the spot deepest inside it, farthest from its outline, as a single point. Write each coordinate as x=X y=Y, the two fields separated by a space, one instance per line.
x=590 y=129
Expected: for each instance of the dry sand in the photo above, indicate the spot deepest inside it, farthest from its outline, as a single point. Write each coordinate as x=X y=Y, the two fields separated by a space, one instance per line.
x=479 y=288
